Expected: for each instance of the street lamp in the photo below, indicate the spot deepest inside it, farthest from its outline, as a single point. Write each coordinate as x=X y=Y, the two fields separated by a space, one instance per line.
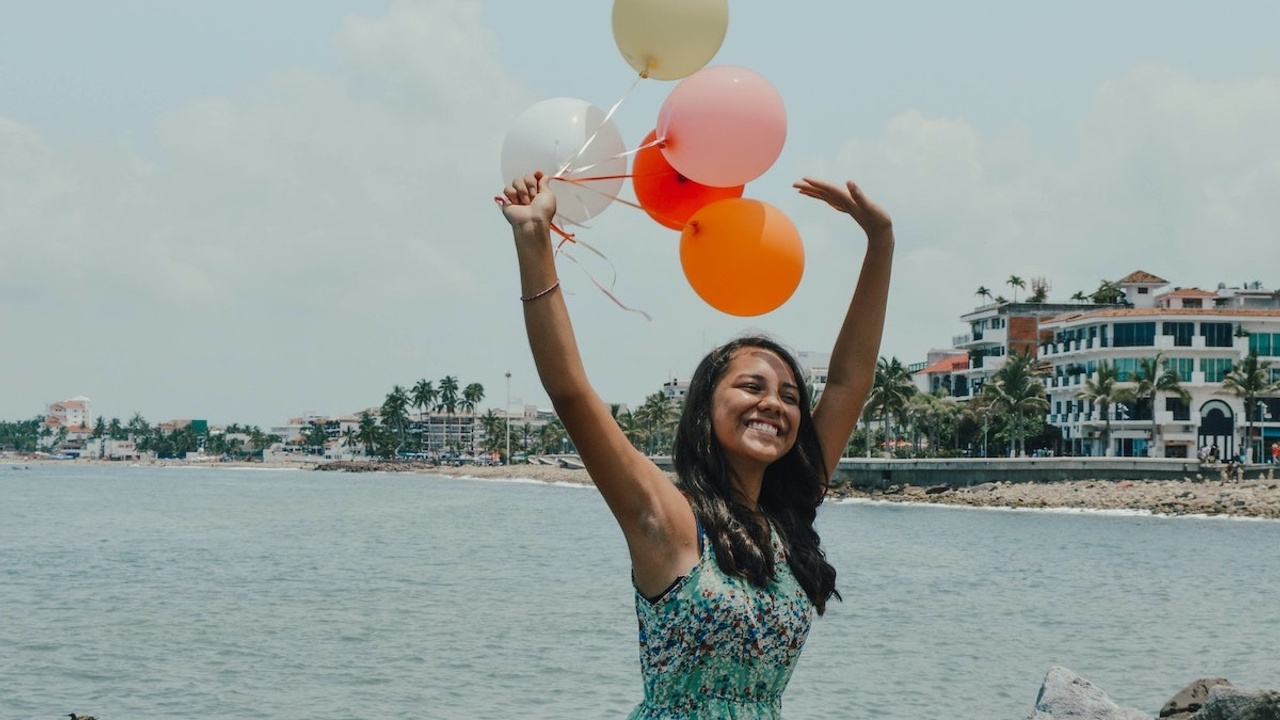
x=507 y=413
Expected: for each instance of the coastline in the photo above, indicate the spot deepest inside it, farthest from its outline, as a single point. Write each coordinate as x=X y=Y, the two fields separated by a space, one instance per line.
x=1246 y=499
x=1259 y=498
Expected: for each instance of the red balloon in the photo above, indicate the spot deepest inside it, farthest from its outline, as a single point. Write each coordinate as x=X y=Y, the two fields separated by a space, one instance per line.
x=669 y=197
x=743 y=257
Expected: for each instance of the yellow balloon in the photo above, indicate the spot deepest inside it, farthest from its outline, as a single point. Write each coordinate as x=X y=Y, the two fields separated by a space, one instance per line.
x=669 y=39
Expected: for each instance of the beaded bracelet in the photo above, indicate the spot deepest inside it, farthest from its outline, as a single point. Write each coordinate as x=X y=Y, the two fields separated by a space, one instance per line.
x=540 y=293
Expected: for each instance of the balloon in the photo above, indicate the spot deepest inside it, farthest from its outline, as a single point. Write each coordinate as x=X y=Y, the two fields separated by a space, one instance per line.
x=743 y=257
x=669 y=39
x=549 y=135
x=723 y=126
x=669 y=197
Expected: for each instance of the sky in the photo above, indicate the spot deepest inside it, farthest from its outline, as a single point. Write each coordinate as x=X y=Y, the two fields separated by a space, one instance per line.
x=244 y=212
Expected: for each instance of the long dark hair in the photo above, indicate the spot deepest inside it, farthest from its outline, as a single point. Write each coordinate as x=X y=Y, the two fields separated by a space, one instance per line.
x=794 y=485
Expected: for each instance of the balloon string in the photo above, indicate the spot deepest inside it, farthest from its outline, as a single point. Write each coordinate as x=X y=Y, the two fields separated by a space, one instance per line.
x=607 y=117
x=582 y=183
x=568 y=237
x=602 y=288
x=656 y=143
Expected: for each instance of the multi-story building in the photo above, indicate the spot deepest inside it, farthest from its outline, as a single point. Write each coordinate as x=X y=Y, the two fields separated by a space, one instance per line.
x=71 y=414
x=1199 y=334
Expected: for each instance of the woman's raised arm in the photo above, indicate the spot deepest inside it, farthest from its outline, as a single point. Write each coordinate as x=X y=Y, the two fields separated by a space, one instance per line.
x=857 y=347
x=654 y=516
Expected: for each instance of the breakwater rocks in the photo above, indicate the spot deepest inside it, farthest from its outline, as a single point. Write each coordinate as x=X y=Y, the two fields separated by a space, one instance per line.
x=1248 y=498
x=1067 y=696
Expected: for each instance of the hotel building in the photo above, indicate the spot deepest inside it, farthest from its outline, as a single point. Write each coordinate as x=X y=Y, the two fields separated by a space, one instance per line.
x=1200 y=334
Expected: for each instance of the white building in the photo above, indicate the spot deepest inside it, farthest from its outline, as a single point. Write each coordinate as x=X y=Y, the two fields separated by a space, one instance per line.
x=71 y=414
x=1201 y=335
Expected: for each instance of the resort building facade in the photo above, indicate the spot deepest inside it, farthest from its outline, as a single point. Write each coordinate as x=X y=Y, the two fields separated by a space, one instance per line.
x=1200 y=335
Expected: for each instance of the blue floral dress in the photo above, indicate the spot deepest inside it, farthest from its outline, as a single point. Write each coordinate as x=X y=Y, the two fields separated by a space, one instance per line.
x=715 y=646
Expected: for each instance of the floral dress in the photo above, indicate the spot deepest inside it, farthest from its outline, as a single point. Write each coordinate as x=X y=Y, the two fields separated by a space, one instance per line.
x=715 y=646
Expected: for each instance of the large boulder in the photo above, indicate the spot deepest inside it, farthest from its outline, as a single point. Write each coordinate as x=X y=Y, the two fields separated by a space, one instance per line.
x=1232 y=703
x=1067 y=696
x=1190 y=699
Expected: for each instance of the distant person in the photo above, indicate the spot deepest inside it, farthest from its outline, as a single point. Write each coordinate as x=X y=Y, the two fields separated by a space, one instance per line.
x=727 y=566
x=1275 y=453
x=1213 y=453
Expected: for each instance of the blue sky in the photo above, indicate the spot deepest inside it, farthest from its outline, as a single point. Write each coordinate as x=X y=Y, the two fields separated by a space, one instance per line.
x=244 y=211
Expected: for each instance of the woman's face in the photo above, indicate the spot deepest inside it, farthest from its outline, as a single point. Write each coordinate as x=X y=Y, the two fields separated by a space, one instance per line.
x=755 y=408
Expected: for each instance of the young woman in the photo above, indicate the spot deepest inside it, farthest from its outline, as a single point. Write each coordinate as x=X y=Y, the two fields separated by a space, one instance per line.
x=726 y=563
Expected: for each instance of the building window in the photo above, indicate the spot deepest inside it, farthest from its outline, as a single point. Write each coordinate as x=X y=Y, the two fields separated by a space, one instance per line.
x=1216 y=334
x=1181 y=411
x=1215 y=369
x=1181 y=332
x=1182 y=366
x=1136 y=334
x=1143 y=291
x=1126 y=369
x=1265 y=343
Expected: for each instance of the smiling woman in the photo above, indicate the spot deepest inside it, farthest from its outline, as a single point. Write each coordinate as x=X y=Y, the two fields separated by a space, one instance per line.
x=727 y=566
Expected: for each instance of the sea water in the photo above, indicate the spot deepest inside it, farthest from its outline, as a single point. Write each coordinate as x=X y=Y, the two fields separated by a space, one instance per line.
x=144 y=592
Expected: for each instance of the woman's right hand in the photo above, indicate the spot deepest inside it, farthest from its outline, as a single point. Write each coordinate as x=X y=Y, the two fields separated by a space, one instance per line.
x=530 y=201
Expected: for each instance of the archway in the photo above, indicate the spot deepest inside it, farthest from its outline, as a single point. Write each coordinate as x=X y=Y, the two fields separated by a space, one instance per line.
x=1218 y=428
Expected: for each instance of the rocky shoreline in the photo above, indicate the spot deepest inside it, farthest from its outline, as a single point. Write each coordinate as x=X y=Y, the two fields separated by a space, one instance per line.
x=1248 y=498
x=1065 y=695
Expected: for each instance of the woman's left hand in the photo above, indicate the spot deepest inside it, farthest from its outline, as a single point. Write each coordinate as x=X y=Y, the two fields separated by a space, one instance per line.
x=848 y=199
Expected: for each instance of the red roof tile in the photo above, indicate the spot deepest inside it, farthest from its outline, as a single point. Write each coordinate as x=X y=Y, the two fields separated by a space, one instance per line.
x=1141 y=277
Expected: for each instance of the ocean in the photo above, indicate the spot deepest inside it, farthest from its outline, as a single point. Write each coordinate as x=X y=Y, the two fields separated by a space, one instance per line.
x=146 y=592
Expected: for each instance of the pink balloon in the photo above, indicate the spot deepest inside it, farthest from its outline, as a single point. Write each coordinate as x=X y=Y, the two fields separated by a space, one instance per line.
x=723 y=126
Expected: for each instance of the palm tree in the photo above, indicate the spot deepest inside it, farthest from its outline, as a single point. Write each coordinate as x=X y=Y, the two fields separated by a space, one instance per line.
x=448 y=402
x=655 y=417
x=526 y=436
x=1017 y=284
x=890 y=391
x=472 y=394
x=491 y=423
x=423 y=396
x=983 y=292
x=1250 y=379
x=1154 y=378
x=395 y=412
x=1015 y=390
x=626 y=421
x=367 y=432
x=350 y=437
x=1104 y=390
x=551 y=437
x=1080 y=297
x=1108 y=293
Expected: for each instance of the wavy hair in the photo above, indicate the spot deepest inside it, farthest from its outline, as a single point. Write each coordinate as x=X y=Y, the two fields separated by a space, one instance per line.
x=794 y=485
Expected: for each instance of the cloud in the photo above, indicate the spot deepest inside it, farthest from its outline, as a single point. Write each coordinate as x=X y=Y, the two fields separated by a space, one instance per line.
x=1169 y=172
x=329 y=206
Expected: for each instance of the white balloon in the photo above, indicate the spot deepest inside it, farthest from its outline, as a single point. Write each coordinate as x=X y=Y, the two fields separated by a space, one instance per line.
x=569 y=138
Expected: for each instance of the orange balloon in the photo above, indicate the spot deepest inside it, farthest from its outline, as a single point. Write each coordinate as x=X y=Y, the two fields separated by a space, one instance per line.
x=669 y=197
x=743 y=257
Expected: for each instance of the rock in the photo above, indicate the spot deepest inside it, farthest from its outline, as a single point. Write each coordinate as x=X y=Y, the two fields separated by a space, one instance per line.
x=1232 y=703
x=1190 y=699
x=1067 y=696
x=936 y=489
